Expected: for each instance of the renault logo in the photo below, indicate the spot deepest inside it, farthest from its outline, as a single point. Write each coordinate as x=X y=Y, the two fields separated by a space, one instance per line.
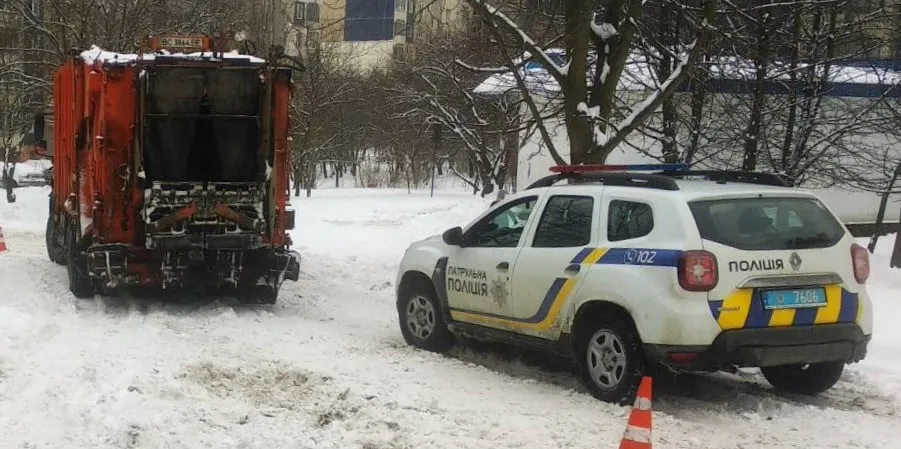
x=795 y=261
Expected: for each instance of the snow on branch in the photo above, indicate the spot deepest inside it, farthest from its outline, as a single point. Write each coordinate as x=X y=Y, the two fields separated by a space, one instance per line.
x=534 y=50
x=605 y=31
x=644 y=109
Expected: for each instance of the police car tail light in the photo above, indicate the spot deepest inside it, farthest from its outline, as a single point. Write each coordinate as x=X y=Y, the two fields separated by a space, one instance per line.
x=860 y=258
x=698 y=271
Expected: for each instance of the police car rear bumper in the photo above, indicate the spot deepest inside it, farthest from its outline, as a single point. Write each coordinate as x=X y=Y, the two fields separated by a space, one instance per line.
x=767 y=347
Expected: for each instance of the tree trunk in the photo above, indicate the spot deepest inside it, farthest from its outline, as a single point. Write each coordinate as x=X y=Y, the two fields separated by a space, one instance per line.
x=883 y=203
x=698 y=98
x=791 y=122
x=814 y=93
x=310 y=169
x=670 y=151
x=896 y=251
x=578 y=41
x=668 y=22
x=761 y=64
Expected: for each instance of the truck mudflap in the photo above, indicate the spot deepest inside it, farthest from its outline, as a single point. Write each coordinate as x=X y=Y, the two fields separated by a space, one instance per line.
x=288 y=262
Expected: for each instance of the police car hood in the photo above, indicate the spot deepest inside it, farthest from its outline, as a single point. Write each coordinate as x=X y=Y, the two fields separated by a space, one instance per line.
x=428 y=241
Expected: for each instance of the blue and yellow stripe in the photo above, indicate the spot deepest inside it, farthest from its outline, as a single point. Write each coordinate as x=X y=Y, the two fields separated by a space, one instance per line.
x=561 y=288
x=542 y=320
x=627 y=256
x=743 y=309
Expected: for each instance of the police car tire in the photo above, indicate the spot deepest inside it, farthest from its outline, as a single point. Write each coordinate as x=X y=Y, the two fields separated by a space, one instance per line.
x=440 y=339
x=624 y=393
x=815 y=379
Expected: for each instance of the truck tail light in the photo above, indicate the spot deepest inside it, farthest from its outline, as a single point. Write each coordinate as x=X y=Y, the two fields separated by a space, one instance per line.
x=860 y=258
x=698 y=271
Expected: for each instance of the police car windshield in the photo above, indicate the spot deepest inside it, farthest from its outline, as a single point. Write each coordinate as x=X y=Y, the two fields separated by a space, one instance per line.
x=767 y=223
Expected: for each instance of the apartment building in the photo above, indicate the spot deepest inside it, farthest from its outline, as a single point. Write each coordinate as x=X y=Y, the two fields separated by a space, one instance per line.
x=367 y=33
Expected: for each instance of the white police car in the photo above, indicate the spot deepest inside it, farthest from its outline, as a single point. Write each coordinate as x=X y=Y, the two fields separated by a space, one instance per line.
x=621 y=270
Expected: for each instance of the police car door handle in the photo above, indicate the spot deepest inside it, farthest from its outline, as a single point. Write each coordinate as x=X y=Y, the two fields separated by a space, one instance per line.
x=503 y=266
x=572 y=269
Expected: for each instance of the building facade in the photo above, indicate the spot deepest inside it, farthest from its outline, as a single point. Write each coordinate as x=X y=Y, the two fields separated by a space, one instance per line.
x=368 y=33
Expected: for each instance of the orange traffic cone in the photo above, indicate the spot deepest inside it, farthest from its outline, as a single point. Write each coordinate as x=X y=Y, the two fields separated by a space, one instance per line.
x=2 y=241
x=638 y=430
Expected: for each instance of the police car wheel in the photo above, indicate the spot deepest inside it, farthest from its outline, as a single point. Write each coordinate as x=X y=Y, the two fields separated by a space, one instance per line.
x=809 y=379
x=610 y=360
x=420 y=319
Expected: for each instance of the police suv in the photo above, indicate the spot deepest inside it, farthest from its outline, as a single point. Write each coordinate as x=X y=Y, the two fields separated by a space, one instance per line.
x=623 y=268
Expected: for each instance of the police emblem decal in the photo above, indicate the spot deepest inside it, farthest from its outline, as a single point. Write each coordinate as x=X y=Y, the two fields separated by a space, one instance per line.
x=499 y=292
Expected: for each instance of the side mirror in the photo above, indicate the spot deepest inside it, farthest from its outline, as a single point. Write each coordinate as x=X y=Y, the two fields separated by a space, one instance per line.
x=453 y=236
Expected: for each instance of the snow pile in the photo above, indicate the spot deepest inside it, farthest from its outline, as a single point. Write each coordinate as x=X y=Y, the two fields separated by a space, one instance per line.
x=327 y=367
x=33 y=168
x=28 y=213
x=110 y=57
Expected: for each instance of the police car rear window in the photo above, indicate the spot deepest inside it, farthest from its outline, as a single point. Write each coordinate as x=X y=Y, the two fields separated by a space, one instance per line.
x=767 y=223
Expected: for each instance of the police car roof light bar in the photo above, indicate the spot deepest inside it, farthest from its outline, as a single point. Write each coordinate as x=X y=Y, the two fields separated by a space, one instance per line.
x=594 y=168
x=726 y=176
x=611 y=178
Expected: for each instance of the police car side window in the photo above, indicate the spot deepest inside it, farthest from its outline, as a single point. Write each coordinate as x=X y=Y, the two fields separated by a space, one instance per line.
x=565 y=222
x=504 y=227
x=628 y=220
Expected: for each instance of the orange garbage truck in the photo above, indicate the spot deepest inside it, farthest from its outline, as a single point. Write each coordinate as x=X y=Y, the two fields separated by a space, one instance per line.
x=171 y=171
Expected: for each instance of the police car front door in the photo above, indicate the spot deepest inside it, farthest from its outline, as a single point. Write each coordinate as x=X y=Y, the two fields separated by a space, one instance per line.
x=553 y=262
x=478 y=274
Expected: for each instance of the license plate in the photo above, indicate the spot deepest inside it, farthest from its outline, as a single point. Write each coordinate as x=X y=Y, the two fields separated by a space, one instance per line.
x=795 y=298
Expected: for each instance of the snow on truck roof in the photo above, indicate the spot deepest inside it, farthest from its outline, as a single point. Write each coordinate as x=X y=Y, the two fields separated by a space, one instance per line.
x=104 y=56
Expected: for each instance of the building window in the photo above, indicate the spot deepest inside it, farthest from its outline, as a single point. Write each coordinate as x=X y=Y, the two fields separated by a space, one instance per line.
x=400 y=5
x=306 y=12
x=369 y=20
x=313 y=39
x=399 y=27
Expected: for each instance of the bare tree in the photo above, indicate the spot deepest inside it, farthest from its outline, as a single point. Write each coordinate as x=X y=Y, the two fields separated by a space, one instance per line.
x=325 y=122
x=21 y=89
x=791 y=55
x=598 y=38
x=481 y=132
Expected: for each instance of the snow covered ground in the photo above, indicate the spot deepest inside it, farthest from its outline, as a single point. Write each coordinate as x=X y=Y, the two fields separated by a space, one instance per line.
x=327 y=367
